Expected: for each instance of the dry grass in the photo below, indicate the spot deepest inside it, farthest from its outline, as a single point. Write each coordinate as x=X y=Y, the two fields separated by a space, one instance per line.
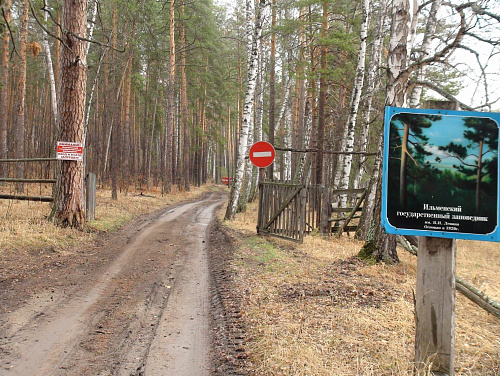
x=24 y=225
x=314 y=309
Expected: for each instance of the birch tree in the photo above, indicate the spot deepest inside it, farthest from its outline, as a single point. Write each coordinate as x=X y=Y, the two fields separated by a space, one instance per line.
x=380 y=245
x=372 y=82
x=425 y=51
x=50 y=68
x=253 y=33
x=350 y=128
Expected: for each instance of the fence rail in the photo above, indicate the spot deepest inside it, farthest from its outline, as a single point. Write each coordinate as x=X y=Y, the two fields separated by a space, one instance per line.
x=15 y=180
x=28 y=181
x=27 y=198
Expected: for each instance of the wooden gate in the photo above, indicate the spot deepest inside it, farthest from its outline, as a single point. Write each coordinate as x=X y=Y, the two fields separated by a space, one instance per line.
x=282 y=210
x=290 y=210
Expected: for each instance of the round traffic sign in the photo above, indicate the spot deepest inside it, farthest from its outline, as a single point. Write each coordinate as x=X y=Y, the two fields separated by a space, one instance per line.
x=262 y=154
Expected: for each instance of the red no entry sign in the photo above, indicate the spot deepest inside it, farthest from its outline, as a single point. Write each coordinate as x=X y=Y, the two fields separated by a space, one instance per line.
x=262 y=154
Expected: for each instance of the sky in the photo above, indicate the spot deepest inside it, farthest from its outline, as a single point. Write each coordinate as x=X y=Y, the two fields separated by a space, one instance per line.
x=449 y=129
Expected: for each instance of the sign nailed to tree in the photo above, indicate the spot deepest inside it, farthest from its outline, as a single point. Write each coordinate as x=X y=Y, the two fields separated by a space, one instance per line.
x=441 y=174
x=70 y=151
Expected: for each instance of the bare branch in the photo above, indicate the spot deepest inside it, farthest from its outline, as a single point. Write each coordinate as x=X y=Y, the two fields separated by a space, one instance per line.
x=10 y=32
x=440 y=91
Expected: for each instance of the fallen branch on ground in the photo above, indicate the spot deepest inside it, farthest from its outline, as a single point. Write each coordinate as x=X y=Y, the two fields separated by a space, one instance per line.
x=409 y=243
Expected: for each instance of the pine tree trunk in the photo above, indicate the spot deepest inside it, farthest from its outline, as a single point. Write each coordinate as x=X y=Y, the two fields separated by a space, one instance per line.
x=68 y=204
x=4 y=88
x=169 y=139
x=184 y=110
x=114 y=132
x=20 y=129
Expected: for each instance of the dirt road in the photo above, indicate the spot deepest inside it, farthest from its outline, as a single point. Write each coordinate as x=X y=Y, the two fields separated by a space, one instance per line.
x=137 y=304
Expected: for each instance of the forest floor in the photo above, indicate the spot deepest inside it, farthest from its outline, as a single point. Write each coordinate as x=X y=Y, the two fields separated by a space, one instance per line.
x=162 y=286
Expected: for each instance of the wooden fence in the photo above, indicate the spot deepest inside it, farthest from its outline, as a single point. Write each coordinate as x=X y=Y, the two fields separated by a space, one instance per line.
x=28 y=181
x=291 y=210
x=90 y=191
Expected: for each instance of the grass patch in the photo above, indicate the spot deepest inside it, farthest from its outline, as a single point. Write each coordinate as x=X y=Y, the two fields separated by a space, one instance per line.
x=24 y=225
x=324 y=311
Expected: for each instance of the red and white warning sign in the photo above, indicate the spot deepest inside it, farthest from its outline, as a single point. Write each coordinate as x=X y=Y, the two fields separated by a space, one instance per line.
x=262 y=154
x=70 y=151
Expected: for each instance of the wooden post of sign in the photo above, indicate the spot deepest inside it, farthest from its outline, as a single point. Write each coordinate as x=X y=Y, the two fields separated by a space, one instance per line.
x=435 y=296
x=90 y=196
x=435 y=306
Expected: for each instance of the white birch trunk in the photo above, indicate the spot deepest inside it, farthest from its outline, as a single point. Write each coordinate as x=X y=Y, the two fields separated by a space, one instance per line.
x=50 y=69
x=259 y=118
x=355 y=99
x=91 y=24
x=371 y=83
x=255 y=30
x=430 y=31
x=398 y=56
x=286 y=116
x=300 y=173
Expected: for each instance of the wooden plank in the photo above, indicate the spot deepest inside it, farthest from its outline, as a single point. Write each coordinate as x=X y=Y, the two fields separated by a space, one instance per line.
x=345 y=210
x=27 y=198
x=435 y=305
x=14 y=180
x=325 y=227
x=90 y=194
x=285 y=203
x=261 y=204
x=29 y=160
x=353 y=212
x=347 y=191
x=343 y=218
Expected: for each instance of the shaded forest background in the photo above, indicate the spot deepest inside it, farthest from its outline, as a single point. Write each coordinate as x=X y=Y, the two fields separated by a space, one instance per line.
x=165 y=102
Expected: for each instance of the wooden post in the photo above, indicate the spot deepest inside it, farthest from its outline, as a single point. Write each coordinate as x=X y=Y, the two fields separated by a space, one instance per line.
x=325 y=226
x=435 y=306
x=90 y=196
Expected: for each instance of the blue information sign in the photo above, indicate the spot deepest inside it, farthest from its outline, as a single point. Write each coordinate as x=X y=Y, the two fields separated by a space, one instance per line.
x=440 y=174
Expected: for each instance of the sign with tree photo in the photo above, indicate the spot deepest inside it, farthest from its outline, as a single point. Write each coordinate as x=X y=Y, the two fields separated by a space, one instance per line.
x=441 y=174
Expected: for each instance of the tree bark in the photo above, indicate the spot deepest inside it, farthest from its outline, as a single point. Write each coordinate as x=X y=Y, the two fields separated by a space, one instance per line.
x=348 y=141
x=254 y=30
x=184 y=109
x=380 y=245
x=50 y=69
x=425 y=51
x=68 y=204
x=169 y=128
x=20 y=130
x=371 y=84
x=4 y=88
x=272 y=84
x=320 y=136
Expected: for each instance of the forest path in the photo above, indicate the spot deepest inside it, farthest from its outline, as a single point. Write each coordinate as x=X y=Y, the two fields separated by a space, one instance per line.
x=137 y=305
